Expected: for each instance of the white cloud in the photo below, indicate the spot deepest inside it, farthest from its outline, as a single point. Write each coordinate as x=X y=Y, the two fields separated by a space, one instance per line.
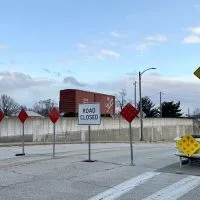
x=27 y=90
x=173 y=89
x=16 y=80
x=24 y=88
x=151 y=41
x=115 y=34
x=83 y=46
x=142 y=46
x=195 y=30
x=157 y=38
x=194 y=35
x=108 y=53
x=2 y=46
x=73 y=81
x=192 y=39
x=101 y=54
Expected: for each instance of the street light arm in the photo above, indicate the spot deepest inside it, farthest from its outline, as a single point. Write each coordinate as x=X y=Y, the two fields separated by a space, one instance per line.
x=147 y=70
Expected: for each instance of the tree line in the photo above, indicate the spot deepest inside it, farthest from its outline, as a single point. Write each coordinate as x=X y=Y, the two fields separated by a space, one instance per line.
x=10 y=107
x=43 y=107
x=167 y=109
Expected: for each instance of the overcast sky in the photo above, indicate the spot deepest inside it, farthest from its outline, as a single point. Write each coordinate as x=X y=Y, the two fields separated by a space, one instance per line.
x=46 y=46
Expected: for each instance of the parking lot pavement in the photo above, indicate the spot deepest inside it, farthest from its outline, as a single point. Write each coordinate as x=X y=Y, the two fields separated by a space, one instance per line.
x=36 y=175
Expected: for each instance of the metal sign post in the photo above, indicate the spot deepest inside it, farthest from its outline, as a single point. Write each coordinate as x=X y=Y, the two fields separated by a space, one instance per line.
x=129 y=113
x=89 y=144
x=54 y=136
x=132 y=163
x=54 y=116
x=89 y=114
x=22 y=116
x=23 y=139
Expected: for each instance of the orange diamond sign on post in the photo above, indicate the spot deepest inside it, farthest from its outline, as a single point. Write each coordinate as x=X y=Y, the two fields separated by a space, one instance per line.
x=1 y=115
x=129 y=112
x=54 y=115
x=23 y=115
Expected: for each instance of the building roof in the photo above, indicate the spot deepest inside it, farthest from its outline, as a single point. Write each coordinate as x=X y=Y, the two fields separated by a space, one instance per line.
x=30 y=114
x=33 y=114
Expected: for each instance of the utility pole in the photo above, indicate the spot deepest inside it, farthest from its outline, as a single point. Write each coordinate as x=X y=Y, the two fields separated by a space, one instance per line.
x=160 y=104
x=135 y=93
x=188 y=112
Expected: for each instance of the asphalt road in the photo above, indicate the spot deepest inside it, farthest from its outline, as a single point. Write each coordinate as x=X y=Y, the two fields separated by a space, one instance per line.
x=156 y=174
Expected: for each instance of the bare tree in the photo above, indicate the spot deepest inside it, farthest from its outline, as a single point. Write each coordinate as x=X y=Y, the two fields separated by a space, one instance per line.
x=121 y=99
x=43 y=107
x=8 y=105
x=196 y=113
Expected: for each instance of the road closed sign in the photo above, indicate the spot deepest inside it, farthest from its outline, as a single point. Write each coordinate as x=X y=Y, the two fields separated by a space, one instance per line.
x=89 y=114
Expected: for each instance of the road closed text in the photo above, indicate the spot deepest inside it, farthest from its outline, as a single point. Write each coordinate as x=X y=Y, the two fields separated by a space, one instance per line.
x=89 y=114
x=88 y=117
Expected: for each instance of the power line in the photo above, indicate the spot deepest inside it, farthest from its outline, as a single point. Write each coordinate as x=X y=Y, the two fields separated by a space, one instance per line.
x=153 y=94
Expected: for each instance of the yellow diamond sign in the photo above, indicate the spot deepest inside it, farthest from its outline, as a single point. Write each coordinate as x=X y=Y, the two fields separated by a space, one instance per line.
x=197 y=73
x=188 y=145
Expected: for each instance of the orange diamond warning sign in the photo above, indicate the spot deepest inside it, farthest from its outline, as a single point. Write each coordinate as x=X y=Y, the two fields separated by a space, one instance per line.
x=188 y=145
x=197 y=73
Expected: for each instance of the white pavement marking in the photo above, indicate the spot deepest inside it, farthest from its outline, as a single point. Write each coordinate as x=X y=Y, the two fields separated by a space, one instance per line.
x=176 y=190
x=124 y=187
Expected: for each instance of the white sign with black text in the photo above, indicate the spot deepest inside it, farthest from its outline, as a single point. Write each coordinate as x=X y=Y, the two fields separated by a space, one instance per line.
x=89 y=114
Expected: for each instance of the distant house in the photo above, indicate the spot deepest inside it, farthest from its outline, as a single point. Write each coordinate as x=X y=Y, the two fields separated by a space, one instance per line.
x=30 y=114
x=33 y=114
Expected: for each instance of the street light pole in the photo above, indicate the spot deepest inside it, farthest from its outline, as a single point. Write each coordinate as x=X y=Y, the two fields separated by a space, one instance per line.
x=141 y=112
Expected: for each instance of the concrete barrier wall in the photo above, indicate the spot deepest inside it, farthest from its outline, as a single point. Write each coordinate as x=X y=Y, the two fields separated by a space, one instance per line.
x=111 y=130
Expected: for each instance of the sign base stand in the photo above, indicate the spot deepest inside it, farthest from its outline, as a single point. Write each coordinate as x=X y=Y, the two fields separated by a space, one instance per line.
x=89 y=161
x=132 y=164
x=20 y=154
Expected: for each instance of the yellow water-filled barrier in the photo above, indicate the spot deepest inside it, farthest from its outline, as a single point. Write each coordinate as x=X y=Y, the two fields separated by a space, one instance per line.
x=188 y=147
